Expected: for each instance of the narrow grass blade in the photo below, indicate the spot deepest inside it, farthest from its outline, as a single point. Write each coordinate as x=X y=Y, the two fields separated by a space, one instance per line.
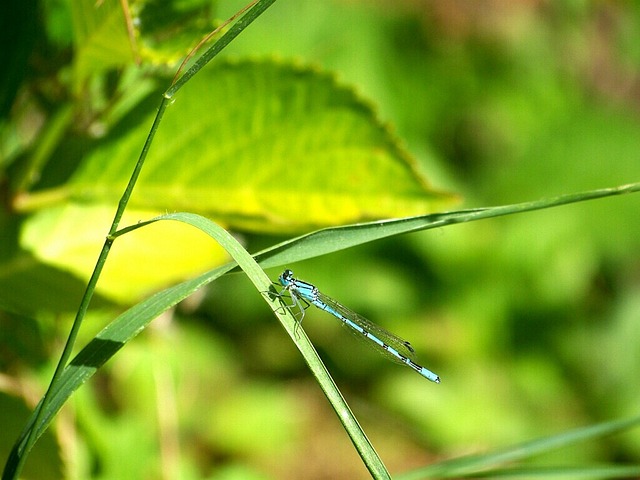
x=596 y=472
x=334 y=239
x=22 y=448
x=129 y=324
x=475 y=465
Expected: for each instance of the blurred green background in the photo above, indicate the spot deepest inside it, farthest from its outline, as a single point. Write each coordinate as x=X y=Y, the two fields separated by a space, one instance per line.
x=532 y=321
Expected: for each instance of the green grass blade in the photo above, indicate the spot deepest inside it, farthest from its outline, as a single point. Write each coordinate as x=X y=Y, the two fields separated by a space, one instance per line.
x=334 y=239
x=564 y=473
x=315 y=244
x=99 y=351
x=254 y=12
x=22 y=448
x=475 y=465
x=129 y=324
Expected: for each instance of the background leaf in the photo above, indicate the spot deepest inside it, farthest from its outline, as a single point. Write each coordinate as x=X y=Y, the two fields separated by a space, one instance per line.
x=262 y=145
x=70 y=237
x=167 y=31
x=100 y=37
x=265 y=146
x=532 y=319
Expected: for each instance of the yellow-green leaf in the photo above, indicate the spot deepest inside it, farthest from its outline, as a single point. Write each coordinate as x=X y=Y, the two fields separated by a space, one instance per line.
x=264 y=146
x=70 y=237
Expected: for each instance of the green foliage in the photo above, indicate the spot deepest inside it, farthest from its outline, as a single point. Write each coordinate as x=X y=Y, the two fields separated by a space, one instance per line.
x=243 y=167
x=531 y=320
x=225 y=149
x=100 y=39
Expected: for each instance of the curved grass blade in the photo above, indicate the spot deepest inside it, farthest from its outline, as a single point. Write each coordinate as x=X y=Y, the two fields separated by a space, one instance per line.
x=307 y=246
x=24 y=445
x=133 y=321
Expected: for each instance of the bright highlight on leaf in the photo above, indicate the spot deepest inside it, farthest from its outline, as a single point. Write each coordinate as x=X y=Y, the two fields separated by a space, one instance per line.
x=265 y=146
x=70 y=238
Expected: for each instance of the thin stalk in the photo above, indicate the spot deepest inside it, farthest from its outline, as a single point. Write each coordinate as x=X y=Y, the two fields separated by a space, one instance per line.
x=22 y=450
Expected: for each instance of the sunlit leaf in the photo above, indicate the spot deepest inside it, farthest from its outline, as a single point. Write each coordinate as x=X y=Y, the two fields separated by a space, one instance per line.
x=264 y=146
x=70 y=238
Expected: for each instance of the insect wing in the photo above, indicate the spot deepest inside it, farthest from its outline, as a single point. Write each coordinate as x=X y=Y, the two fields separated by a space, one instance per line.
x=400 y=345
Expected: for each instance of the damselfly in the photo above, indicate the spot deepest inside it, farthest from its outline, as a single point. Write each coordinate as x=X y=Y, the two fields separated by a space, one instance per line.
x=393 y=347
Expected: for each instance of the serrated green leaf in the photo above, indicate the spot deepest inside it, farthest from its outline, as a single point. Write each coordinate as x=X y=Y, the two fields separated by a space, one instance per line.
x=264 y=146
